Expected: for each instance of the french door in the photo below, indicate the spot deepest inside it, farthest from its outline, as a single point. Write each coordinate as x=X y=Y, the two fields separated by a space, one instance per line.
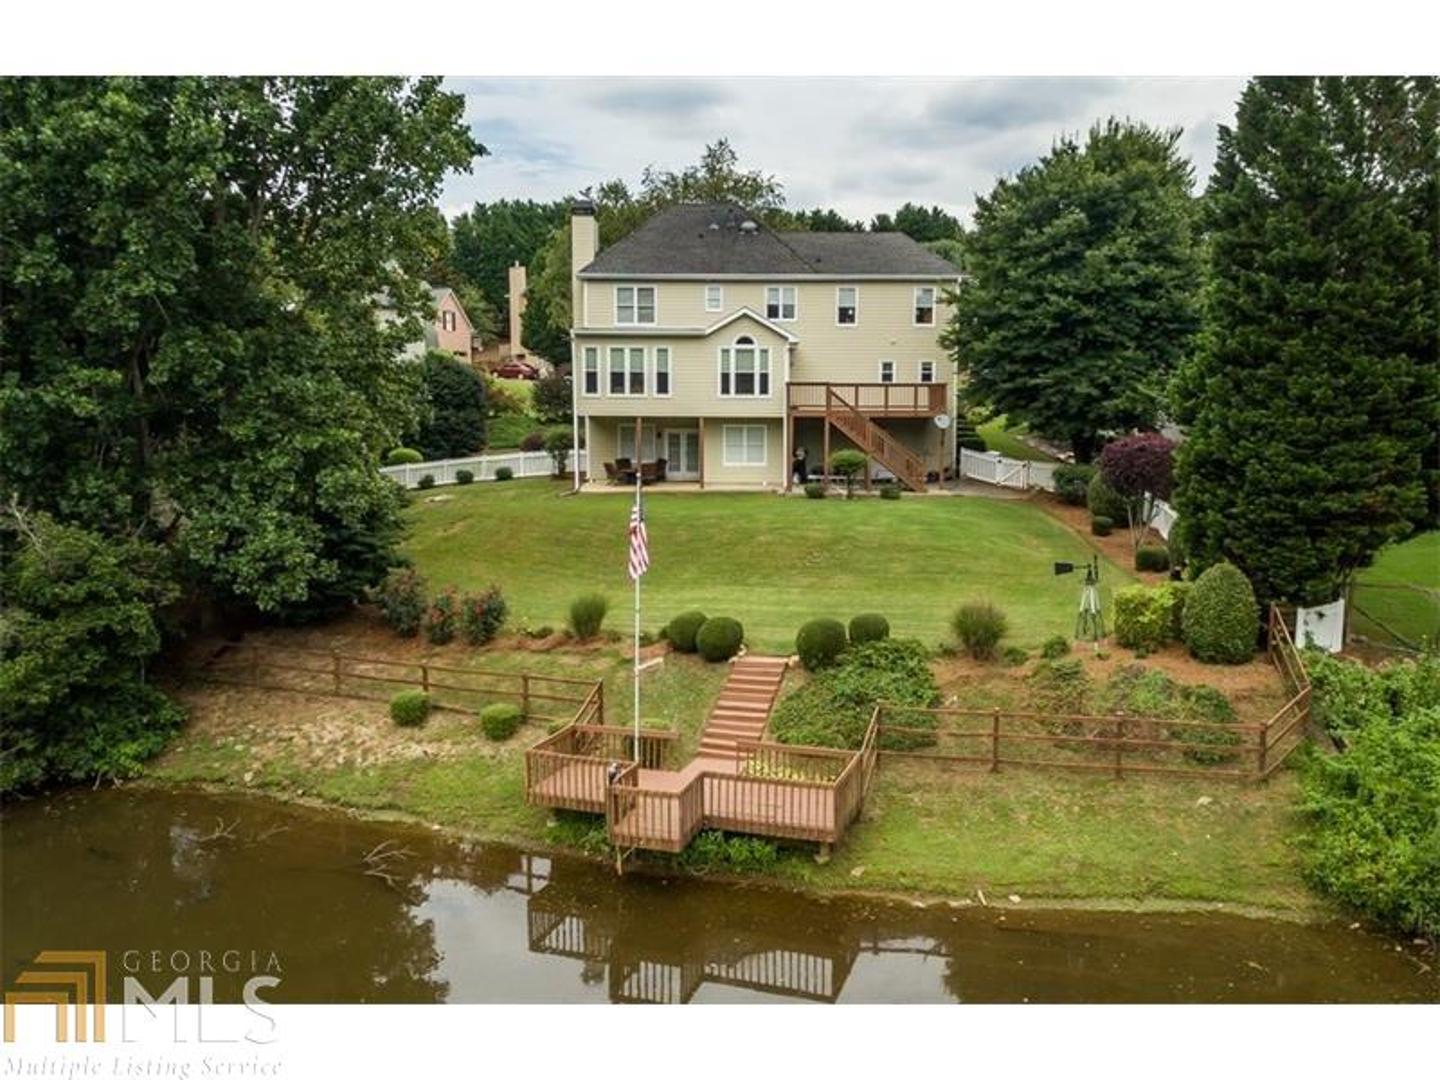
x=682 y=454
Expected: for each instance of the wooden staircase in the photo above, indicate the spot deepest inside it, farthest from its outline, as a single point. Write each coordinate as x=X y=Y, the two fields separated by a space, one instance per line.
x=743 y=707
x=875 y=441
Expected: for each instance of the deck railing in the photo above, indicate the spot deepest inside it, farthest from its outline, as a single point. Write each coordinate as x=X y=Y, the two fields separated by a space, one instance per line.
x=873 y=399
x=571 y=768
x=645 y=817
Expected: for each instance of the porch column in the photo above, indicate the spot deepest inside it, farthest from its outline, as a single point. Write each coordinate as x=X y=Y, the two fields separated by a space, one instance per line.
x=701 y=448
x=825 y=448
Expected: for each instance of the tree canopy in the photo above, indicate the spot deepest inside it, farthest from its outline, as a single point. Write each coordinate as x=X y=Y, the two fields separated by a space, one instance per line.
x=922 y=223
x=1311 y=402
x=489 y=238
x=1080 y=294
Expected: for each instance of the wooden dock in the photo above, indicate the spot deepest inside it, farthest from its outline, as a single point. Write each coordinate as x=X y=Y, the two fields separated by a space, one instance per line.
x=735 y=782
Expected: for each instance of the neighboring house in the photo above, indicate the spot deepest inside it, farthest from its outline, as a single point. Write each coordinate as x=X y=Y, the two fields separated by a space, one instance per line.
x=451 y=330
x=727 y=345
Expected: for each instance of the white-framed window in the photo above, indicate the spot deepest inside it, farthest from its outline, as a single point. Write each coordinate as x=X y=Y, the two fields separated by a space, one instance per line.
x=847 y=305
x=714 y=298
x=590 y=372
x=627 y=371
x=625 y=442
x=926 y=370
x=925 y=305
x=745 y=444
x=745 y=369
x=634 y=305
x=780 y=303
x=447 y=320
x=887 y=370
x=662 y=371
x=617 y=381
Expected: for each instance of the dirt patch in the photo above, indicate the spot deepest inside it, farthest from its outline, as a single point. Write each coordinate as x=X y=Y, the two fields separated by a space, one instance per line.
x=1255 y=689
x=1116 y=547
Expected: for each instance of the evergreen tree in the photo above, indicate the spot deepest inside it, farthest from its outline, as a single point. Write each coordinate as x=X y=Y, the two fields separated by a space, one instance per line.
x=1079 y=298
x=453 y=408
x=1311 y=402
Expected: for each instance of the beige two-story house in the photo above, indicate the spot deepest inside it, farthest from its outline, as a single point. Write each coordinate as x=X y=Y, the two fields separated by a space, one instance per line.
x=709 y=349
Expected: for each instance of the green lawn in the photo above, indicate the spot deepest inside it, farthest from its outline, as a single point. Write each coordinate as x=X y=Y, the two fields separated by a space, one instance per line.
x=1412 y=612
x=998 y=435
x=771 y=562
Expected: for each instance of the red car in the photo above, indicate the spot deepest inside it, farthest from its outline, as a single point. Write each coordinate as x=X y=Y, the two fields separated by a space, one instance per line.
x=517 y=369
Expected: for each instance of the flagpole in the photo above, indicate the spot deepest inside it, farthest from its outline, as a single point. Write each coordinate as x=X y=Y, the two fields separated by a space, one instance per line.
x=636 y=665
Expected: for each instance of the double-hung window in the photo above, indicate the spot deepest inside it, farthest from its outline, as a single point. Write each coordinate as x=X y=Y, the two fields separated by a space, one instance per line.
x=627 y=371
x=780 y=303
x=887 y=371
x=745 y=369
x=714 y=298
x=925 y=305
x=744 y=444
x=847 y=305
x=662 y=371
x=927 y=370
x=590 y=382
x=634 y=305
x=447 y=320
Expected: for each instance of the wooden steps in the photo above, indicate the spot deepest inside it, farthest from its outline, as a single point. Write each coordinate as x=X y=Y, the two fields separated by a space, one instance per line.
x=743 y=708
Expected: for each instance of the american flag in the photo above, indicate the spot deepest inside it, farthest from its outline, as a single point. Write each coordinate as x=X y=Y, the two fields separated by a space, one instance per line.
x=639 y=542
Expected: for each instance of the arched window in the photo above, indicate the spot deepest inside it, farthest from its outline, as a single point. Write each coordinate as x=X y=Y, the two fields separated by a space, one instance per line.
x=745 y=369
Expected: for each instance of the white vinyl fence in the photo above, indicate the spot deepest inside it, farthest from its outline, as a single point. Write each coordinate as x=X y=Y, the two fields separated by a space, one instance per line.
x=992 y=467
x=520 y=462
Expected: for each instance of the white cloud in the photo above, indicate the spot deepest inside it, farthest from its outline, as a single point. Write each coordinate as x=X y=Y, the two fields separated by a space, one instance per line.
x=861 y=146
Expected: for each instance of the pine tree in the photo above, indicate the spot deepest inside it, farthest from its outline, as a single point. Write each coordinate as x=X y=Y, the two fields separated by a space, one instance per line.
x=1311 y=402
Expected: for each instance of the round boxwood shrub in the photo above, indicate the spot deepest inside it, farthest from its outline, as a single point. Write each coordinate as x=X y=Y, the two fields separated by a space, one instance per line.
x=409 y=708
x=404 y=455
x=500 y=721
x=979 y=625
x=1221 y=621
x=719 y=638
x=1152 y=557
x=427 y=481
x=464 y=476
x=1100 y=525
x=820 y=642
x=682 y=629
x=814 y=490
x=890 y=491
x=504 y=472
x=869 y=627
x=1105 y=501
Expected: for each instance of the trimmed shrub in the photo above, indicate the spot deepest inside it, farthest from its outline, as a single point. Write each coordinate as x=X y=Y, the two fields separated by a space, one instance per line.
x=404 y=455
x=890 y=491
x=482 y=615
x=409 y=708
x=426 y=482
x=869 y=626
x=681 y=630
x=834 y=707
x=504 y=472
x=1055 y=646
x=1152 y=557
x=464 y=476
x=847 y=464
x=814 y=490
x=1105 y=501
x=587 y=613
x=1014 y=655
x=1222 y=620
x=820 y=642
x=1143 y=618
x=443 y=617
x=979 y=625
x=1177 y=591
x=501 y=720
x=719 y=638
x=533 y=441
x=402 y=601
x=1072 y=483
x=1100 y=525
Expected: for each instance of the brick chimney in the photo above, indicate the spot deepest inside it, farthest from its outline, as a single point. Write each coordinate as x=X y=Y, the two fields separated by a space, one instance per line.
x=584 y=244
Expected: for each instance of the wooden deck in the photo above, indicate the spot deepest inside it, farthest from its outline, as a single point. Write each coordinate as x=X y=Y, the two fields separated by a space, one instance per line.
x=736 y=782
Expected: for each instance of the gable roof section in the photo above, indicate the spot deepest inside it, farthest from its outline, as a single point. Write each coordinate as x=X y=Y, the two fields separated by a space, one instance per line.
x=718 y=240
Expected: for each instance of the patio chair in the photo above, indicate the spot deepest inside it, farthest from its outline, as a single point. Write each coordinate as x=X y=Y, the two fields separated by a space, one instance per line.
x=610 y=475
x=649 y=472
x=625 y=470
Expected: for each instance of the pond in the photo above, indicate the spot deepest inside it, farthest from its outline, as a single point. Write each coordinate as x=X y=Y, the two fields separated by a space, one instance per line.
x=345 y=910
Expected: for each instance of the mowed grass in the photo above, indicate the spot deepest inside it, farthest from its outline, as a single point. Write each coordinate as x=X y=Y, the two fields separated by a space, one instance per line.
x=1403 y=593
x=768 y=561
x=1001 y=437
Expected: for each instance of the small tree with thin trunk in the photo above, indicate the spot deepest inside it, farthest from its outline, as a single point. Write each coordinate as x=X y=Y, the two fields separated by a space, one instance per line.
x=848 y=464
x=1139 y=468
x=558 y=445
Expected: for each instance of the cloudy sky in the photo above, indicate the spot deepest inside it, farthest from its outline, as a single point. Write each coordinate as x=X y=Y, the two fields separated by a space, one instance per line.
x=859 y=145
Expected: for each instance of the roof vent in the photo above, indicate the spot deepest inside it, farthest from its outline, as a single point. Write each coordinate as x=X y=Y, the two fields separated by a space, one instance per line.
x=748 y=226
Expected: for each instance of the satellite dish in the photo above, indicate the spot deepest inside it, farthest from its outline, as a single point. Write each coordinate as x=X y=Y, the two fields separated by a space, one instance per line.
x=942 y=421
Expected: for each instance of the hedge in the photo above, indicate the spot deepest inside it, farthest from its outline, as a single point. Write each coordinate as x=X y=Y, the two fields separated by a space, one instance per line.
x=869 y=626
x=820 y=642
x=501 y=720
x=682 y=629
x=409 y=708
x=719 y=638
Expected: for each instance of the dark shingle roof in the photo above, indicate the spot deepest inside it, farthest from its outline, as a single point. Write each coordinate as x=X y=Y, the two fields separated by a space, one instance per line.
x=721 y=238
